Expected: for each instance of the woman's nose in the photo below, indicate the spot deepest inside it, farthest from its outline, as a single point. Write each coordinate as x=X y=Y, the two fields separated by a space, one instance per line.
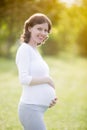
x=43 y=32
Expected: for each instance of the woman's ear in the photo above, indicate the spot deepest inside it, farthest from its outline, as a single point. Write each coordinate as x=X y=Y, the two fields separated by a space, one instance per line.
x=29 y=29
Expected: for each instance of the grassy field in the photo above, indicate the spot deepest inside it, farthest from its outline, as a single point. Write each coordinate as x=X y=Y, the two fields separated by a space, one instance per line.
x=70 y=112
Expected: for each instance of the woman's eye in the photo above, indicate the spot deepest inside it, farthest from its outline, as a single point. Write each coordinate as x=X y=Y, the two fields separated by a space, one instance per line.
x=39 y=29
x=46 y=30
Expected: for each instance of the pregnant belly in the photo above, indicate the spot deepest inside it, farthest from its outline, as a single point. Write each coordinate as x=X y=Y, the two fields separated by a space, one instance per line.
x=50 y=92
x=38 y=94
x=45 y=94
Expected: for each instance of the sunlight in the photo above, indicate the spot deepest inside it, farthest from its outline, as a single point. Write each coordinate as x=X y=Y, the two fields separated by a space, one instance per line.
x=68 y=2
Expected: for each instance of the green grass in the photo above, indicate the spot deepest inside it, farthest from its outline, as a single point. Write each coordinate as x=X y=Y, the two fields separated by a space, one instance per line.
x=70 y=112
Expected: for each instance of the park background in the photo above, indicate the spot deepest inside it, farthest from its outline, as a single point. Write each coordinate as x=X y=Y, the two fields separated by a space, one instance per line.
x=65 y=52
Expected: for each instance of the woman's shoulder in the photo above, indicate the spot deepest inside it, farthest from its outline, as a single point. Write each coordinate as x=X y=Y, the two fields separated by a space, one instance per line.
x=24 y=47
x=23 y=51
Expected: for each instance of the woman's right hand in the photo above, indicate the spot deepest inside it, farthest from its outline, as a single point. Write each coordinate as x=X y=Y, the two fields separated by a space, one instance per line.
x=53 y=102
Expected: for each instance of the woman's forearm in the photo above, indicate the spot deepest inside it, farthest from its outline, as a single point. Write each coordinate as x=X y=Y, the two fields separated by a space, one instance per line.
x=38 y=80
x=41 y=80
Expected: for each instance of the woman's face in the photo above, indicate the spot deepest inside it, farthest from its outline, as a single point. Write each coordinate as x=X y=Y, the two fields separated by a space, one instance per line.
x=39 y=33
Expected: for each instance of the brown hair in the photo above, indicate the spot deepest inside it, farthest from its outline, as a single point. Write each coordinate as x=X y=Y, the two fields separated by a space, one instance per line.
x=37 y=18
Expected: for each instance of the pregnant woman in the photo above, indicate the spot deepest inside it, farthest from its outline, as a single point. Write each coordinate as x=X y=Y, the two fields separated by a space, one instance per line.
x=38 y=88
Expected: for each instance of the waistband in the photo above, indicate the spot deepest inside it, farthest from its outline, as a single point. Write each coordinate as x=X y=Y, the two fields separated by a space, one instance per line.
x=33 y=106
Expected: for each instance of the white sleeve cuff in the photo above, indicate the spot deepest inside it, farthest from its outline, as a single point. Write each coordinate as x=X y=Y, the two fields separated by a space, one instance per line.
x=25 y=80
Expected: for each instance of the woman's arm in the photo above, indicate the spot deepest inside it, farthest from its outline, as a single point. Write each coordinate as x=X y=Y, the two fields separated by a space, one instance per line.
x=42 y=80
x=23 y=63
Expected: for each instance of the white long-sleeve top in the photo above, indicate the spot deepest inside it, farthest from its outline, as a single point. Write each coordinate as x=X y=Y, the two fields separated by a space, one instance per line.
x=30 y=64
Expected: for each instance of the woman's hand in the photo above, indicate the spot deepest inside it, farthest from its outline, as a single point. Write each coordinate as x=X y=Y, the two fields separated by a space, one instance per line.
x=42 y=80
x=53 y=103
x=50 y=82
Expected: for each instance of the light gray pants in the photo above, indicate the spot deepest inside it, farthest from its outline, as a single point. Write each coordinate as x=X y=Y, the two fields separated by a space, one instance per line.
x=31 y=116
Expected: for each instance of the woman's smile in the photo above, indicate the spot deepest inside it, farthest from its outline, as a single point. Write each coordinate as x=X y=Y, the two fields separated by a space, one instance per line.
x=41 y=37
x=39 y=33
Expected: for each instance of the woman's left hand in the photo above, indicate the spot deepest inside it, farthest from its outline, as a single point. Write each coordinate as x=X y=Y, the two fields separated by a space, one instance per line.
x=53 y=103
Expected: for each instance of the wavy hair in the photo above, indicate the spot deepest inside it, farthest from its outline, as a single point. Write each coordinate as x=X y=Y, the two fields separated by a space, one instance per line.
x=37 y=18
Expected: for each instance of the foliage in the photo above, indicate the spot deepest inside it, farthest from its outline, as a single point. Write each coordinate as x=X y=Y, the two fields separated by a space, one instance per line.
x=68 y=22
x=70 y=25
x=17 y=12
x=50 y=48
x=82 y=35
x=68 y=28
x=82 y=42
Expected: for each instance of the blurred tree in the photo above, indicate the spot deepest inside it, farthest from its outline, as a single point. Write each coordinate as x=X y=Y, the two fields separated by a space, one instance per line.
x=51 y=47
x=51 y=8
x=14 y=13
x=82 y=37
x=68 y=27
x=11 y=22
x=84 y=3
x=72 y=21
x=82 y=42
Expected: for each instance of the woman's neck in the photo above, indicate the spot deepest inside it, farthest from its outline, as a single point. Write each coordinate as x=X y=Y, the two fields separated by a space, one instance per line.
x=32 y=43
